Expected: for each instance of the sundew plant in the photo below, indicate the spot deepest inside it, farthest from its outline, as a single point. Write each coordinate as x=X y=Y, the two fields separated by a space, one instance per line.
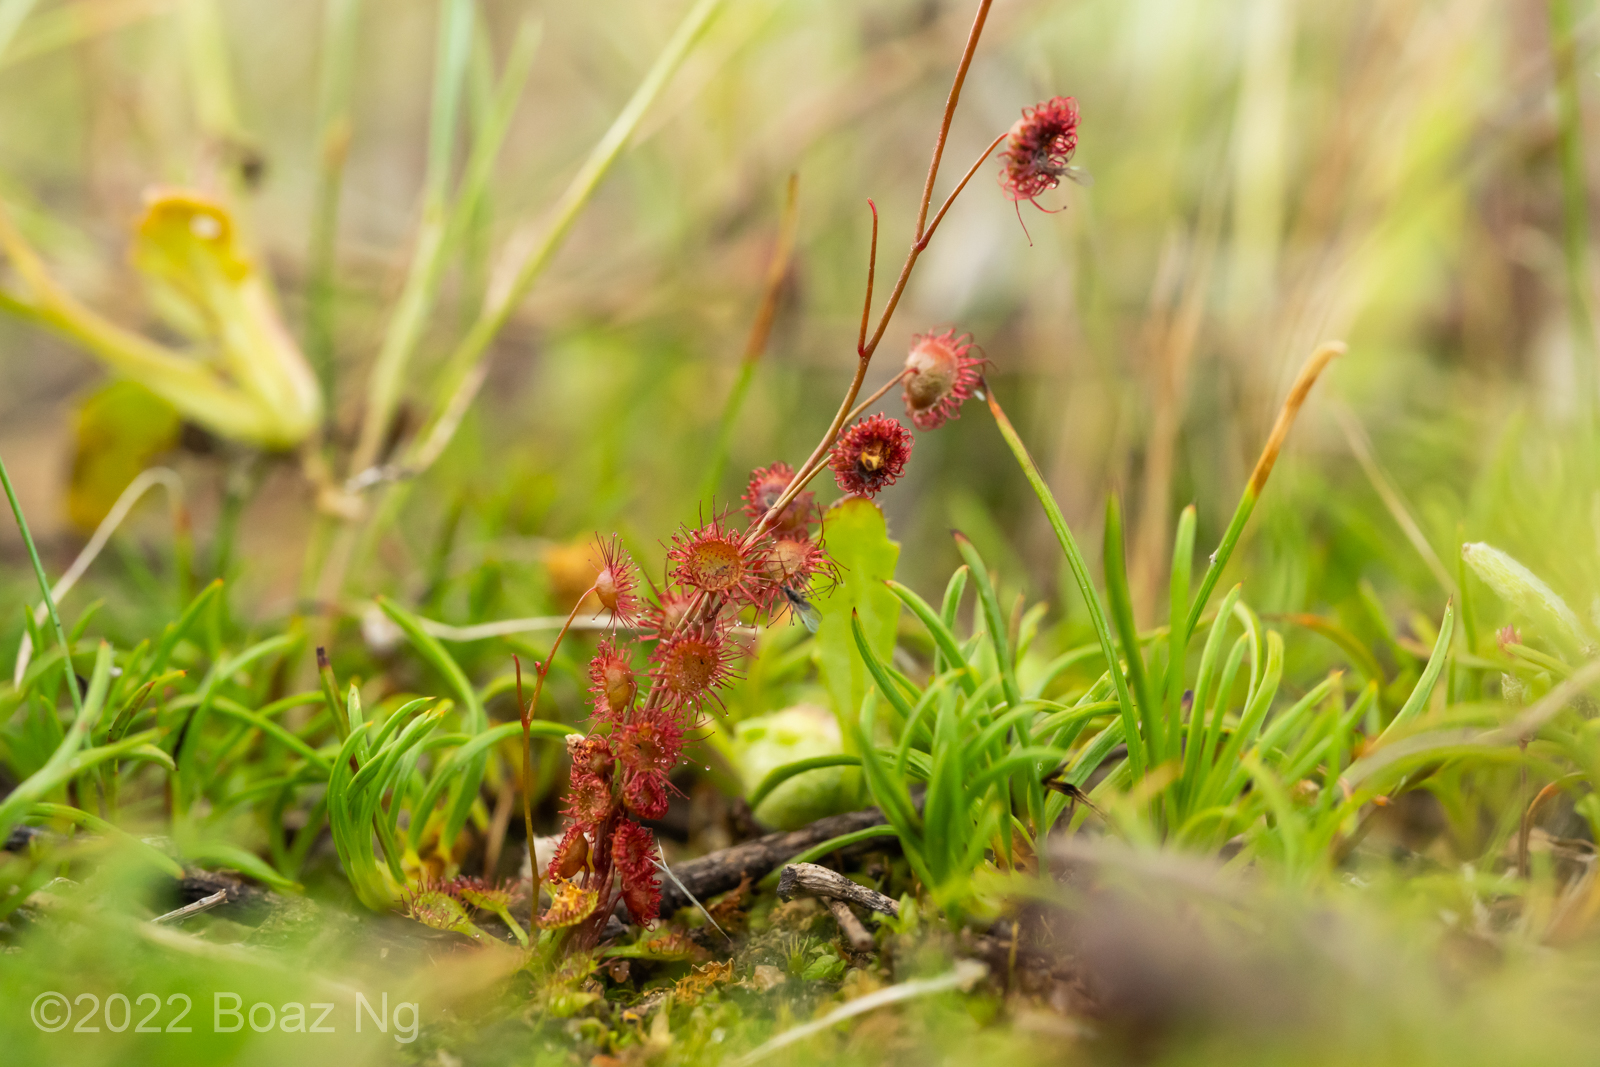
x=731 y=531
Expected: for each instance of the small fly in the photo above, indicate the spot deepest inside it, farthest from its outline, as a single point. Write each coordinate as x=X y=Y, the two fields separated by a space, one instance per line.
x=1078 y=175
x=1057 y=781
x=803 y=609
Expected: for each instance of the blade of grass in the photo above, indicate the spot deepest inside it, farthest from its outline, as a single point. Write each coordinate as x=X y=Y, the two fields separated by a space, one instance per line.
x=44 y=586
x=1430 y=676
x=1194 y=747
x=1177 y=612
x=463 y=373
x=341 y=37
x=436 y=654
x=1214 y=778
x=778 y=775
x=886 y=684
x=410 y=315
x=1298 y=392
x=1080 y=573
x=949 y=649
x=995 y=621
x=1121 y=602
x=155 y=857
x=64 y=762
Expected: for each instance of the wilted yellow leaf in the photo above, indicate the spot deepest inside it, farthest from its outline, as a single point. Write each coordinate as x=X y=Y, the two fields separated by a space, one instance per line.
x=121 y=429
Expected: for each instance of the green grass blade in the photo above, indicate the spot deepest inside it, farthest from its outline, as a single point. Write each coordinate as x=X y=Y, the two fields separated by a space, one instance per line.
x=1298 y=392
x=1121 y=602
x=1430 y=675
x=949 y=649
x=435 y=653
x=778 y=775
x=1080 y=574
x=158 y=859
x=38 y=569
x=994 y=620
x=886 y=684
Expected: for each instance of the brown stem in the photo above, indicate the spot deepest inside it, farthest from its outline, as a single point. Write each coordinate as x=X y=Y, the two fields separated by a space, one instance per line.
x=950 y=110
x=951 y=199
x=875 y=397
x=924 y=233
x=872 y=272
x=865 y=349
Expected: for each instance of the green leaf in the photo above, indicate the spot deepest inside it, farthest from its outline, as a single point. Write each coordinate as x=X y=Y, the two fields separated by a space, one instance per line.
x=778 y=775
x=995 y=622
x=825 y=968
x=63 y=763
x=1522 y=589
x=858 y=541
x=1121 y=603
x=949 y=648
x=246 y=863
x=1430 y=675
x=442 y=661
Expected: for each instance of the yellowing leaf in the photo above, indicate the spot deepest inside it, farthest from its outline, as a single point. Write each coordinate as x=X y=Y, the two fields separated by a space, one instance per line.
x=243 y=379
x=121 y=429
x=204 y=284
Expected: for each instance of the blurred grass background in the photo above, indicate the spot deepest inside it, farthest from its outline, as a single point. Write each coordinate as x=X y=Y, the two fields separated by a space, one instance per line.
x=1267 y=174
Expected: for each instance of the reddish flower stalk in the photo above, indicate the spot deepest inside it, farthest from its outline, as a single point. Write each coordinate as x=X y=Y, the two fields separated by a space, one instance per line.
x=924 y=233
x=620 y=580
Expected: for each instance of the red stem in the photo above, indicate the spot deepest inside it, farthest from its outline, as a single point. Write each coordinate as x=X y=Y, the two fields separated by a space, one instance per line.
x=950 y=110
x=855 y=413
x=813 y=465
x=540 y=670
x=872 y=271
x=951 y=199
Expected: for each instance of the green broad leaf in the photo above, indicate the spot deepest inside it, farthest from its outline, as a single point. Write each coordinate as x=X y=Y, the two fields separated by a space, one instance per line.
x=825 y=968
x=858 y=541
